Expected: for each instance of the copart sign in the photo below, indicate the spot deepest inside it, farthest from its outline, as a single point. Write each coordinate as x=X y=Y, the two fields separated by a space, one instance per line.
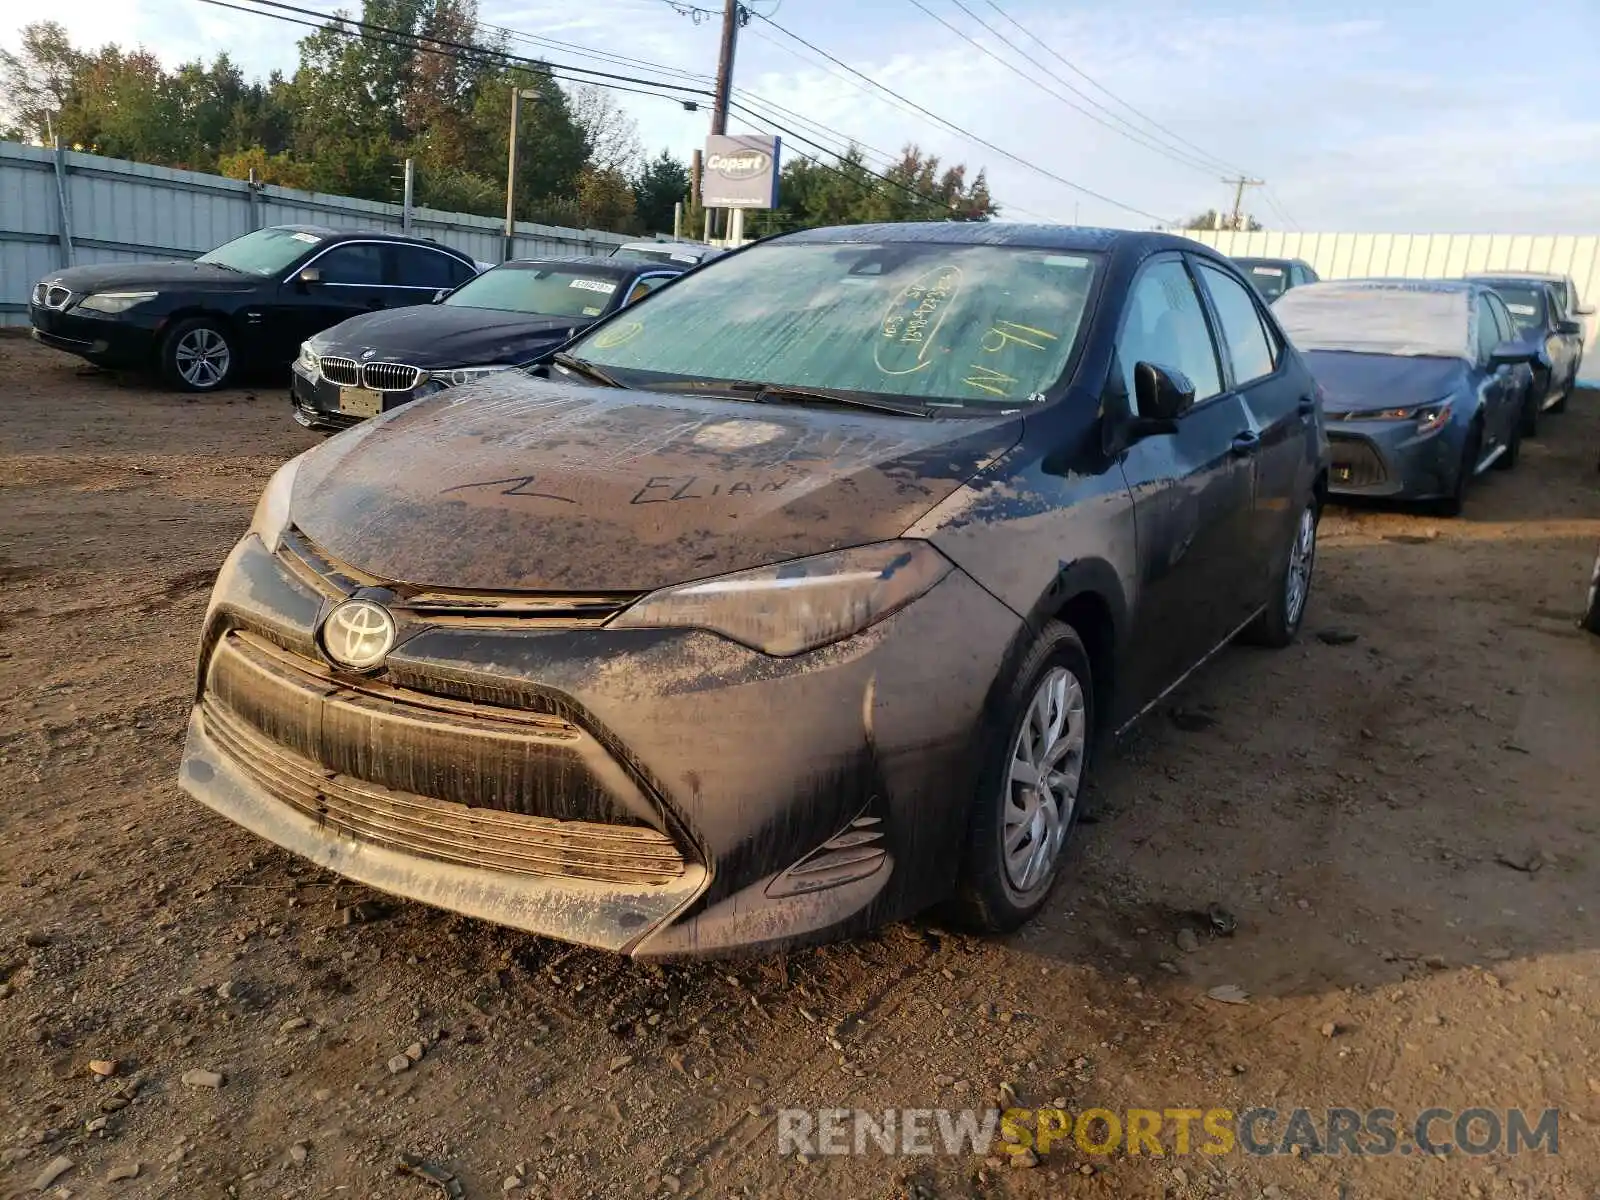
x=740 y=172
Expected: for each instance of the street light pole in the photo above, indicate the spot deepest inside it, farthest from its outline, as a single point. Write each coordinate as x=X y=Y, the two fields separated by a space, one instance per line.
x=510 y=247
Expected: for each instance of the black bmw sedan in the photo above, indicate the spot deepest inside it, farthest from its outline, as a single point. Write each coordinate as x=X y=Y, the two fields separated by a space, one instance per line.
x=249 y=303
x=509 y=315
x=795 y=598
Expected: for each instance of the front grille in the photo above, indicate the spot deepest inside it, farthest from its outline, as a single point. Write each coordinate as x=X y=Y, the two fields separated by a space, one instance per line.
x=54 y=296
x=390 y=377
x=548 y=610
x=441 y=830
x=1356 y=463
x=526 y=760
x=344 y=371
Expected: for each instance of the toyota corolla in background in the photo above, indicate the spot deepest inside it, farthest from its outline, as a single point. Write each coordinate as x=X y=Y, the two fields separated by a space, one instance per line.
x=1424 y=382
x=1537 y=307
x=680 y=254
x=247 y=304
x=510 y=314
x=1275 y=276
x=792 y=599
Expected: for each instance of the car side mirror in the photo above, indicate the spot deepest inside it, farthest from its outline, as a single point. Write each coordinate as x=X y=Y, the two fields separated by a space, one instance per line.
x=1568 y=326
x=308 y=276
x=1163 y=394
x=1509 y=354
x=438 y=296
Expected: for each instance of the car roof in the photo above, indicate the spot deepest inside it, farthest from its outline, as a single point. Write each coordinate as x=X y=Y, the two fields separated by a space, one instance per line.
x=329 y=234
x=600 y=265
x=1263 y=258
x=1514 y=277
x=1402 y=285
x=997 y=233
x=668 y=245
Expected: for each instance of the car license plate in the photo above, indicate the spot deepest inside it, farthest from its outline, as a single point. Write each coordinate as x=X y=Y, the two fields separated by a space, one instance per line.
x=360 y=402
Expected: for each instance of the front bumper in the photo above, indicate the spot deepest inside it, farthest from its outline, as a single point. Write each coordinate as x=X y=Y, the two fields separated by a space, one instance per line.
x=316 y=401
x=1388 y=460
x=107 y=341
x=718 y=768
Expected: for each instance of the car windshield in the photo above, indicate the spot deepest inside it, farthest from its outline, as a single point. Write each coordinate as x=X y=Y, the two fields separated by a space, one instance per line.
x=547 y=291
x=264 y=252
x=1271 y=280
x=951 y=324
x=1526 y=303
x=1413 y=321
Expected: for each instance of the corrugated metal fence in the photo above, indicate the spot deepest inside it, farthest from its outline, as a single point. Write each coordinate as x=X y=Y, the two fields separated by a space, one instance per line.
x=1432 y=256
x=70 y=209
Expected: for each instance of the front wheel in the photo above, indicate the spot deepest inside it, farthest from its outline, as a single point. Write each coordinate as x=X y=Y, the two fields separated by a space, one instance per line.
x=1452 y=504
x=1279 y=623
x=197 y=355
x=1508 y=460
x=1029 y=799
x=1533 y=402
x=1591 y=613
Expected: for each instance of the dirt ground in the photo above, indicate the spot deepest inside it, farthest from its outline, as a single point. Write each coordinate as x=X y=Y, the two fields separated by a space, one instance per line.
x=1403 y=826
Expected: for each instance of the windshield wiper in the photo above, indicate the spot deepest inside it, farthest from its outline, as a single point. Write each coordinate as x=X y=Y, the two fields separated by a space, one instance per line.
x=777 y=393
x=581 y=366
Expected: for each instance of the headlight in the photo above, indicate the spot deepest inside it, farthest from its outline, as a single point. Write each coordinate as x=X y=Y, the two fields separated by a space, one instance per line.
x=456 y=376
x=309 y=361
x=799 y=605
x=272 y=510
x=1428 y=417
x=1432 y=416
x=114 y=302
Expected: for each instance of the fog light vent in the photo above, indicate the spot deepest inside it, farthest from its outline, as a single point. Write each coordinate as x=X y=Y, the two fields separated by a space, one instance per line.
x=852 y=854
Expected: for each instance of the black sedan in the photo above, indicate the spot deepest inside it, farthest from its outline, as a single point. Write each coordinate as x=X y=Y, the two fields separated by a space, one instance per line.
x=796 y=598
x=507 y=316
x=249 y=303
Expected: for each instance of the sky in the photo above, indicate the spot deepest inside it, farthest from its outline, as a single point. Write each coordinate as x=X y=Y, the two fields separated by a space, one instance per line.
x=1359 y=116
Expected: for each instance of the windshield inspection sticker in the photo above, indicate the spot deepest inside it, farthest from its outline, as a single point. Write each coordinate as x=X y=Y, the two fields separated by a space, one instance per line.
x=594 y=285
x=1523 y=310
x=1273 y=272
x=591 y=310
x=309 y=239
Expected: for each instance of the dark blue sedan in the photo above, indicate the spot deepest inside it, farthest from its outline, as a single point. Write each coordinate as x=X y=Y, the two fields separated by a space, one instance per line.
x=1424 y=383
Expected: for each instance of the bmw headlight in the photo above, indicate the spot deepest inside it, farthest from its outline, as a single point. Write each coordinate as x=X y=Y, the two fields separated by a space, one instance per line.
x=799 y=605
x=114 y=302
x=309 y=361
x=272 y=510
x=456 y=376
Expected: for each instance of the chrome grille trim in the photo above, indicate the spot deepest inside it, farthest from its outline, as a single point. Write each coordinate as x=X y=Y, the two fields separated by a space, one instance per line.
x=52 y=296
x=442 y=830
x=344 y=371
x=390 y=376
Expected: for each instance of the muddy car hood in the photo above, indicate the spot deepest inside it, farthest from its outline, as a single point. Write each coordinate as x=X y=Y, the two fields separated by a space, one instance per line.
x=1359 y=382
x=520 y=484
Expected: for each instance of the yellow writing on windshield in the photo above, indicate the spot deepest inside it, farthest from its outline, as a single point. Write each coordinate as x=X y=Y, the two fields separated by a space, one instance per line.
x=616 y=335
x=910 y=324
x=989 y=380
x=1004 y=333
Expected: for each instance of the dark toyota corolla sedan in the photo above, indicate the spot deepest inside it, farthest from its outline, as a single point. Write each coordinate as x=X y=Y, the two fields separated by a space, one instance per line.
x=1425 y=383
x=1275 y=276
x=511 y=314
x=795 y=598
x=1536 y=307
x=248 y=303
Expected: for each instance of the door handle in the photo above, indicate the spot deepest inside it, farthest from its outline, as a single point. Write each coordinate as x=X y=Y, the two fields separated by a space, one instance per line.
x=1246 y=443
x=1307 y=405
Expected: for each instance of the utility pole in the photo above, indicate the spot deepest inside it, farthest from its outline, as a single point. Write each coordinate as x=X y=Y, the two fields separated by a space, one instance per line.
x=1236 y=219
x=733 y=16
x=510 y=246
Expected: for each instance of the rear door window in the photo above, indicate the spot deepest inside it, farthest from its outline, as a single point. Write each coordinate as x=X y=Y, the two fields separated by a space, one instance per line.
x=1242 y=331
x=419 y=267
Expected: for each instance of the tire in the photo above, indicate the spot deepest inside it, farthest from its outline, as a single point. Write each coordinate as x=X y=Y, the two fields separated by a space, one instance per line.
x=198 y=355
x=1280 y=623
x=996 y=892
x=1591 y=612
x=1508 y=460
x=1533 y=402
x=1452 y=504
x=1560 y=405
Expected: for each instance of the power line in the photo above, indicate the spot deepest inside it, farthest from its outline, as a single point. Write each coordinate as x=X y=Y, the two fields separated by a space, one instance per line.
x=968 y=134
x=1122 y=126
x=1066 y=62
x=411 y=41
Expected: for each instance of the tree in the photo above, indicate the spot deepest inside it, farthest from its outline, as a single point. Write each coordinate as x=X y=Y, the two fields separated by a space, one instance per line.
x=269 y=168
x=35 y=85
x=1212 y=219
x=660 y=185
x=612 y=135
x=846 y=192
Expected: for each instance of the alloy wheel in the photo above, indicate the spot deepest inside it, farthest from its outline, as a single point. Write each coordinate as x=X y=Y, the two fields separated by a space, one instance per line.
x=1047 y=760
x=1302 y=558
x=202 y=357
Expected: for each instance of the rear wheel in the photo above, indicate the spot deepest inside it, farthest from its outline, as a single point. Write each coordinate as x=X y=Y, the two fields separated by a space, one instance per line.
x=197 y=355
x=1280 y=622
x=1513 y=452
x=1036 y=764
x=1572 y=382
x=1533 y=402
x=1591 y=612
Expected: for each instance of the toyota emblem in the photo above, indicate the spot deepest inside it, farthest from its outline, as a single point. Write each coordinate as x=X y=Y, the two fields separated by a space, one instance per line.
x=357 y=634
